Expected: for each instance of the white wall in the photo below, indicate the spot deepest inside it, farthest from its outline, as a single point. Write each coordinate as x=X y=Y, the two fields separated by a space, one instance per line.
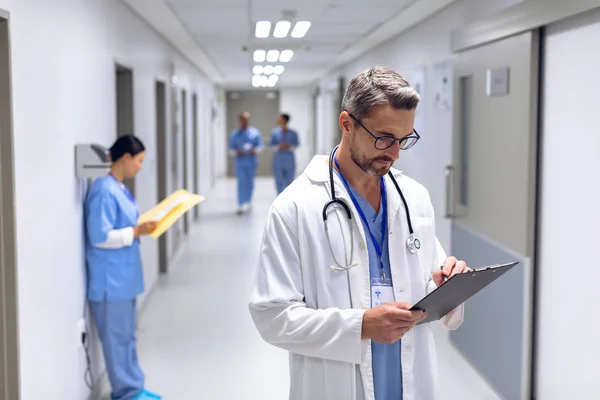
x=298 y=103
x=568 y=325
x=63 y=55
x=420 y=47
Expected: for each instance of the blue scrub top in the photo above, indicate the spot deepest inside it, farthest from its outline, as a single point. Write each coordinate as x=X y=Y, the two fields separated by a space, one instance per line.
x=387 y=363
x=284 y=158
x=239 y=138
x=113 y=274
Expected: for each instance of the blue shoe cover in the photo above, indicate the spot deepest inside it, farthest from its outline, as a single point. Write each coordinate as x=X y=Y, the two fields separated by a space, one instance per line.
x=147 y=395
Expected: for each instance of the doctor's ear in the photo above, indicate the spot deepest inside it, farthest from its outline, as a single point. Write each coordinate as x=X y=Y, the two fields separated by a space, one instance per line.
x=346 y=123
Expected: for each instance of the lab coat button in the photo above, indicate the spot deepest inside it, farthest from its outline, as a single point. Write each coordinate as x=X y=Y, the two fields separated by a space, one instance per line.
x=362 y=245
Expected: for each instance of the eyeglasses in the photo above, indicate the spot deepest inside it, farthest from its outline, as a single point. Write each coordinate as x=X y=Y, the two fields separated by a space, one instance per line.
x=385 y=142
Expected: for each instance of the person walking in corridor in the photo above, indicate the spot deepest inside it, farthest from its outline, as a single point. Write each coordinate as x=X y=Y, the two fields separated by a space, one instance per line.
x=245 y=143
x=284 y=142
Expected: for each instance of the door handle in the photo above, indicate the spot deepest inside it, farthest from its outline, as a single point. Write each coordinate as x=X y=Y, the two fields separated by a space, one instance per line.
x=450 y=209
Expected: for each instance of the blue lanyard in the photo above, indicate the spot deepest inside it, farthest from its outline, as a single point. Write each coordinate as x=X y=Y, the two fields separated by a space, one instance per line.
x=364 y=218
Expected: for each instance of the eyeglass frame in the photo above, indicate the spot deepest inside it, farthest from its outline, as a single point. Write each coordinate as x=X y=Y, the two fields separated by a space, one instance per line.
x=400 y=140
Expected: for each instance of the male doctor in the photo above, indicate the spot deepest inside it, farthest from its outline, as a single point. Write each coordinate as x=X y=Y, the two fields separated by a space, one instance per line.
x=338 y=299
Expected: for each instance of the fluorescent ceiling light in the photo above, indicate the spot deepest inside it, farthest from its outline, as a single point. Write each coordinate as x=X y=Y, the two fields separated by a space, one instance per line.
x=262 y=30
x=278 y=69
x=259 y=55
x=264 y=81
x=256 y=81
x=272 y=80
x=268 y=70
x=281 y=29
x=300 y=29
x=272 y=55
x=257 y=70
x=286 y=55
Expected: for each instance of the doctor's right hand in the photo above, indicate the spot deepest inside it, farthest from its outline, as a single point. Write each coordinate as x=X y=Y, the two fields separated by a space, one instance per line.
x=388 y=322
x=145 y=228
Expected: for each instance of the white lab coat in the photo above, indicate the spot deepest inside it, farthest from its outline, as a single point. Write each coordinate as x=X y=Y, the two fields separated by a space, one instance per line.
x=301 y=305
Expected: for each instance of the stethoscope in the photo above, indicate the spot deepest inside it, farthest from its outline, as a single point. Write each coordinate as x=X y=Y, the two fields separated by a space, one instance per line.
x=413 y=244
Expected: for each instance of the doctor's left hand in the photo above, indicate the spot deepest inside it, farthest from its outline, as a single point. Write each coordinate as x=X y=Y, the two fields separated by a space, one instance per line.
x=451 y=267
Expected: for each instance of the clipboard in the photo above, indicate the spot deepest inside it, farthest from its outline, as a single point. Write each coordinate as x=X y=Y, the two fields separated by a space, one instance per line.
x=168 y=211
x=458 y=289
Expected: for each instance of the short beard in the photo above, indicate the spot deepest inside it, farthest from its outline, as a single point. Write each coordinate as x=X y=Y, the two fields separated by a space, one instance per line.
x=366 y=164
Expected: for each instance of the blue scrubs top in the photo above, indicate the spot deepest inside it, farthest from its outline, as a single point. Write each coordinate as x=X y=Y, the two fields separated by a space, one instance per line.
x=113 y=274
x=387 y=363
x=284 y=158
x=242 y=138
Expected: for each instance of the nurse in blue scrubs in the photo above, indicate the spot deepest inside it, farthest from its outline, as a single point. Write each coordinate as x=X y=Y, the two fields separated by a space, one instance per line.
x=115 y=275
x=284 y=142
x=245 y=143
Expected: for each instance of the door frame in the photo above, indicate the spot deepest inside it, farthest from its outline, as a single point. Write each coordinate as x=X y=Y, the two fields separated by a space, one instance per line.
x=9 y=315
x=185 y=153
x=195 y=152
x=162 y=170
x=123 y=68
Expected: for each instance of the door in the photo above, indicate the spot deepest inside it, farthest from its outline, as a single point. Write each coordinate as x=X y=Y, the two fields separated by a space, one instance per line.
x=263 y=107
x=184 y=136
x=161 y=165
x=196 y=153
x=566 y=365
x=9 y=322
x=175 y=230
x=315 y=128
x=125 y=108
x=491 y=200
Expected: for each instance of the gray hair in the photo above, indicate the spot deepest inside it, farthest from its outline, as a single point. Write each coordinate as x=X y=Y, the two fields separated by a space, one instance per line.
x=377 y=86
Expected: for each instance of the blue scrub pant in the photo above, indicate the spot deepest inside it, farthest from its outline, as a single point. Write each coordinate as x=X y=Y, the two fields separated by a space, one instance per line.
x=245 y=170
x=116 y=323
x=283 y=177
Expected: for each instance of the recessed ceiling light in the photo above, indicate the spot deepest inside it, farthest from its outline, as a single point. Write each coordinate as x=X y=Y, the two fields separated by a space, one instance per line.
x=262 y=30
x=272 y=55
x=281 y=29
x=300 y=29
x=272 y=80
x=257 y=70
x=256 y=81
x=268 y=70
x=278 y=69
x=264 y=81
x=259 y=55
x=286 y=55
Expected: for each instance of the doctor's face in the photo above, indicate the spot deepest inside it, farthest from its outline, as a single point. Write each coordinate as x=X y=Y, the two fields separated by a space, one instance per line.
x=133 y=164
x=383 y=120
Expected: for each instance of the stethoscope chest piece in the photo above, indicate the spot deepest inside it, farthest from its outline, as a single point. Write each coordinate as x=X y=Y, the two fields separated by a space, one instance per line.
x=413 y=244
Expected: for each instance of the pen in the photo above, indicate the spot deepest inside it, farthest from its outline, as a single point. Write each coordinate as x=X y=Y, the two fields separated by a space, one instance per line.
x=443 y=275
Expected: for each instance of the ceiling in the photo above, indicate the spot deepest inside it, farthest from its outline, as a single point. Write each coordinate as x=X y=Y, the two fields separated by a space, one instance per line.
x=218 y=35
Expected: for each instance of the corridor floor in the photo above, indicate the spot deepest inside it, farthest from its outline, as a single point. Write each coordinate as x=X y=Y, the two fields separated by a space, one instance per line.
x=196 y=337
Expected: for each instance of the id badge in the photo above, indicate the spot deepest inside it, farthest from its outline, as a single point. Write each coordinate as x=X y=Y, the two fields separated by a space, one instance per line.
x=382 y=291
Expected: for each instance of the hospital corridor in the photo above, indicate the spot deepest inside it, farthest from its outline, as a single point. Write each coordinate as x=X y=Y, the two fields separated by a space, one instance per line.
x=299 y=200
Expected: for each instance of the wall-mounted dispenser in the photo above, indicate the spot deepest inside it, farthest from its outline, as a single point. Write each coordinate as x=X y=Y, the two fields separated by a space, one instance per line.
x=91 y=161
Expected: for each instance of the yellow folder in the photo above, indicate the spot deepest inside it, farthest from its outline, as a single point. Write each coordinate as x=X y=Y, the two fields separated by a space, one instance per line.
x=170 y=210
